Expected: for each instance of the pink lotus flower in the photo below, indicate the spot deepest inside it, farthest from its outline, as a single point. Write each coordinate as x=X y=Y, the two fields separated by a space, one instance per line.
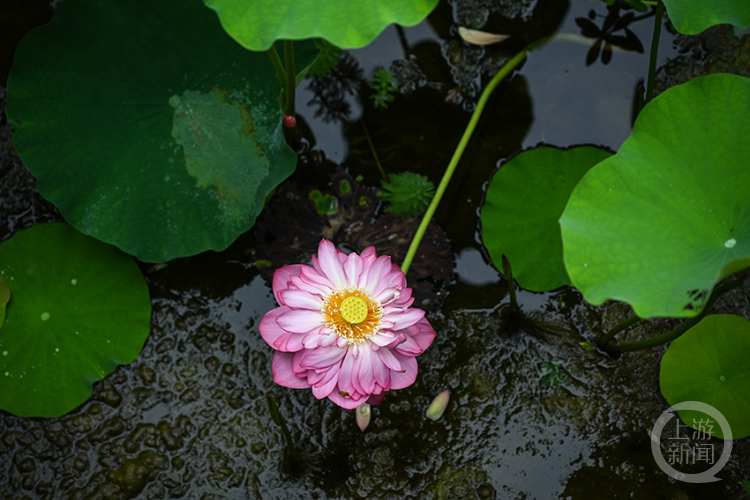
x=345 y=328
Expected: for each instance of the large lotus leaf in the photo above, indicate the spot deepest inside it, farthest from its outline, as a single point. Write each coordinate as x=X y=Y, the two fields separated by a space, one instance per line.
x=348 y=24
x=660 y=222
x=79 y=308
x=693 y=16
x=709 y=363
x=147 y=126
x=523 y=205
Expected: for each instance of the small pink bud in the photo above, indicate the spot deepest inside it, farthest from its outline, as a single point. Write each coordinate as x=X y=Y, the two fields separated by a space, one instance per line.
x=289 y=121
x=363 y=416
x=438 y=405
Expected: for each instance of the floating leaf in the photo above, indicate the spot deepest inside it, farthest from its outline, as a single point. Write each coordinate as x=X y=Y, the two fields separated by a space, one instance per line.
x=524 y=201
x=156 y=133
x=709 y=363
x=690 y=17
x=324 y=204
x=79 y=309
x=477 y=37
x=659 y=223
x=344 y=23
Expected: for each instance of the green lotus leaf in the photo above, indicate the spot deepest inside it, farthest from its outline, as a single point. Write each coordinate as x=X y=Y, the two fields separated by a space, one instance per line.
x=690 y=17
x=660 y=222
x=348 y=24
x=147 y=126
x=4 y=298
x=520 y=213
x=80 y=307
x=709 y=363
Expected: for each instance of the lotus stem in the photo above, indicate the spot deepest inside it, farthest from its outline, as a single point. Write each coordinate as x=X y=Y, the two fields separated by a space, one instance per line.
x=277 y=66
x=291 y=78
x=623 y=325
x=502 y=73
x=685 y=326
x=654 y=51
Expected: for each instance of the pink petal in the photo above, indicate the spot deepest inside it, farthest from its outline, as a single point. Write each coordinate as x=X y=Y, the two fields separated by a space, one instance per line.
x=329 y=265
x=312 y=278
x=347 y=403
x=405 y=319
x=366 y=378
x=283 y=374
x=281 y=279
x=399 y=380
x=321 y=357
x=300 y=320
x=291 y=342
x=405 y=299
x=345 y=374
x=381 y=372
x=426 y=334
x=368 y=252
x=324 y=340
x=356 y=382
x=269 y=329
x=300 y=299
x=387 y=357
x=378 y=269
x=384 y=338
x=393 y=279
x=323 y=390
x=353 y=268
x=409 y=347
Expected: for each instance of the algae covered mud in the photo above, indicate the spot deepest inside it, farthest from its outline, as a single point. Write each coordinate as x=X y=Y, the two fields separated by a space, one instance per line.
x=531 y=414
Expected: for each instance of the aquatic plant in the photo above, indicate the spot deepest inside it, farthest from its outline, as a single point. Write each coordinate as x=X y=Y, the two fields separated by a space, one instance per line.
x=345 y=328
x=384 y=87
x=408 y=194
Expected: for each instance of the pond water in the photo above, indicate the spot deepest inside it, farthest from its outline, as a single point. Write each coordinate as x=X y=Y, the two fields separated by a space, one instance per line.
x=189 y=418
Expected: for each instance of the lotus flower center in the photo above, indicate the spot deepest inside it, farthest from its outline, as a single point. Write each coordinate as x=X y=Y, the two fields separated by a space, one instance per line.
x=352 y=314
x=354 y=309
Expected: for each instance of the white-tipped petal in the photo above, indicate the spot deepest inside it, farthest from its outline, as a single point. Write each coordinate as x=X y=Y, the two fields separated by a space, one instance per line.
x=476 y=37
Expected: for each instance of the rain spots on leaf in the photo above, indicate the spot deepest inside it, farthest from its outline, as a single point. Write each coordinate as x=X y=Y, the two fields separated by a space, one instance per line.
x=45 y=316
x=221 y=149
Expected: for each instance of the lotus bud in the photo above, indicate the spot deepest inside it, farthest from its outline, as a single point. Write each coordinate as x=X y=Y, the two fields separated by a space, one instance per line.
x=438 y=405
x=363 y=416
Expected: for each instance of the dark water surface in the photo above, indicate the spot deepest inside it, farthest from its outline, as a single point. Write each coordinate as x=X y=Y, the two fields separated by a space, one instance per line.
x=189 y=418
